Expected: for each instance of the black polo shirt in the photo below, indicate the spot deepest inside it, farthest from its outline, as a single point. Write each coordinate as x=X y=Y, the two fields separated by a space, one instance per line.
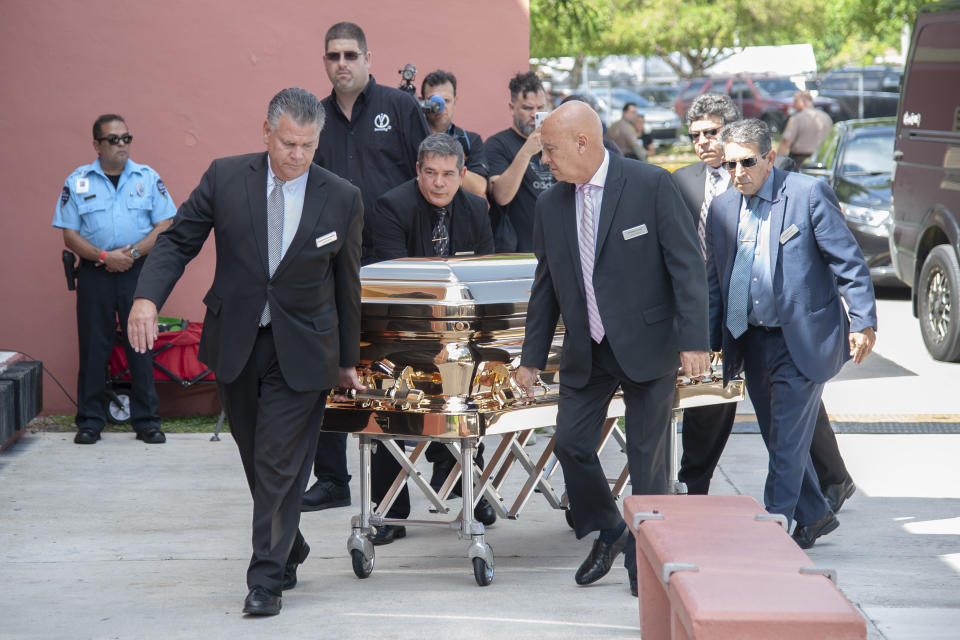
x=376 y=149
x=501 y=148
x=475 y=159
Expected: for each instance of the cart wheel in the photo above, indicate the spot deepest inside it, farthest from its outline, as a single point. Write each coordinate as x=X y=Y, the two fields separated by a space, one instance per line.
x=362 y=566
x=118 y=408
x=569 y=516
x=482 y=572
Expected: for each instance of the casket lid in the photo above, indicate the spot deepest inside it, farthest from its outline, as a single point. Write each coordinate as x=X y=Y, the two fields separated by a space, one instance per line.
x=459 y=281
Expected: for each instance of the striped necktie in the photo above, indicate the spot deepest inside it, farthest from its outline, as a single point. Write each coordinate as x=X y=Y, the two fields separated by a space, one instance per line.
x=738 y=299
x=274 y=237
x=587 y=253
x=713 y=185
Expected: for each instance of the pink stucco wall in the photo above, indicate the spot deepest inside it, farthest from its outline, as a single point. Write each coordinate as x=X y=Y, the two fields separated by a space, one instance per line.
x=192 y=78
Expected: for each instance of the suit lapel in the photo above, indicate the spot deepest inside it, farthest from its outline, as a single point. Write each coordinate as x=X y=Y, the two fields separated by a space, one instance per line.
x=423 y=220
x=568 y=227
x=314 y=200
x=612 y=189
x=699 y=187
x=257 y=199
x=728 y=219
x=778 y=210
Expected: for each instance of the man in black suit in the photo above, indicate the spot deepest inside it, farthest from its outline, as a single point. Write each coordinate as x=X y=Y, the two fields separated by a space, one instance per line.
x=283 y=316
x=431 y=215
x=706 y=429
x=615 y=257
x=408 y=216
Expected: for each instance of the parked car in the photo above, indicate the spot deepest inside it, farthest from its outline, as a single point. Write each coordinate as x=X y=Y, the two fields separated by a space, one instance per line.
x=925 y=238
x=863 y=92
x=856 y=160
x=662 y=95
x=768 y=98
x=661 y=124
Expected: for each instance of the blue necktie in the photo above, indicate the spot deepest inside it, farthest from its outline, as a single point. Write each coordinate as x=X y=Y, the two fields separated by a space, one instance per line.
x=738 y=300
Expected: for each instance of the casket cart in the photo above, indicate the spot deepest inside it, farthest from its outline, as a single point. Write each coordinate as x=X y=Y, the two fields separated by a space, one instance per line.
x=440 y=339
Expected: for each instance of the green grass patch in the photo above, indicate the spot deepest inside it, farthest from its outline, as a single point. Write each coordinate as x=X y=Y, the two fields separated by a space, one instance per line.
x=176 y=424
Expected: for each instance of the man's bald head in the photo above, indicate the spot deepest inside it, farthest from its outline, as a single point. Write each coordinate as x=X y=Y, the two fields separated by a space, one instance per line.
x=572 y=138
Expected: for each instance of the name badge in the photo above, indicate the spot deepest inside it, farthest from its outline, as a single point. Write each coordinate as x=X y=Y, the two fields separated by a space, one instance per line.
x=326 y=238
x=789 y=233
x=633 y=232
x=463 y=253
x=83 y=185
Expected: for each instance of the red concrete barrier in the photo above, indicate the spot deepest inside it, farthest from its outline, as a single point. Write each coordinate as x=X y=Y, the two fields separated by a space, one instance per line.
x=690 y=548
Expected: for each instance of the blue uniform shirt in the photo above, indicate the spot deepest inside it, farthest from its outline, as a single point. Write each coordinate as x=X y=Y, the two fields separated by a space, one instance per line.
x=110 y=218
x=763 y=310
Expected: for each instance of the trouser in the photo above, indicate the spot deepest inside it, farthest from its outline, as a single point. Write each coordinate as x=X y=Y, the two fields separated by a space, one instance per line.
x=330 y=461
x=102 y=296
x=580 y=417
x=705 y=433
x=786 y=402
x=275 y=429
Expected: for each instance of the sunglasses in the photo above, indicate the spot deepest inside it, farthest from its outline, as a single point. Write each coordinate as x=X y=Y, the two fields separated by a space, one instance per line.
x=114 y=139
x=707 y=133
x=746 y=163
x=349 y=56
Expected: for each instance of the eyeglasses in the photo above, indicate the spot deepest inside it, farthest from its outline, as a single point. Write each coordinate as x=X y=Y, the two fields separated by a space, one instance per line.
x=746 y=163
x=349 y=56
x=707 y=133
x=114 y=139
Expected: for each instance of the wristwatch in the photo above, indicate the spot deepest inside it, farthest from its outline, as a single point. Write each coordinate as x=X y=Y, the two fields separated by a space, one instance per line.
x=135 y=253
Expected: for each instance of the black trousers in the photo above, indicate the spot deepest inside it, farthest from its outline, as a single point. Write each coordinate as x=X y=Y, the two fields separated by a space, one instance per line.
x=275 y=429
x=707 y=429
x=580 y=418
x=330 y=461
x=103 y=297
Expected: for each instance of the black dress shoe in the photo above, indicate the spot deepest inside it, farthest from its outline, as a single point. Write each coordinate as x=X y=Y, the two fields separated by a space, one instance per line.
x=633 y=584
x=297 y=555
x=601 y=558
x=261 y=602
x=485 y=513
x=805 y=535
x=325 y=495
x=86 y=436
x=152 y=437
x=837 y=494
x=387 y=533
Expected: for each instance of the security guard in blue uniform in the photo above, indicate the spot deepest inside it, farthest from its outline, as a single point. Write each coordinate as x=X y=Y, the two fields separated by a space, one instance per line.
x=111 y=212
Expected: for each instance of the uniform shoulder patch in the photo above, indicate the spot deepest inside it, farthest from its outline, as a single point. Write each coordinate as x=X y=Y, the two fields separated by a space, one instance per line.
x=64 y=195
x=161 y=188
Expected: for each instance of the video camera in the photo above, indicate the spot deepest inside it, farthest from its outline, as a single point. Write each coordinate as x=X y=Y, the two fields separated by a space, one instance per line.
x=434 y=104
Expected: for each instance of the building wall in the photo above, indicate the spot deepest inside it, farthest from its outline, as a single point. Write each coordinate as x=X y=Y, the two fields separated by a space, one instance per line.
x=192 y=78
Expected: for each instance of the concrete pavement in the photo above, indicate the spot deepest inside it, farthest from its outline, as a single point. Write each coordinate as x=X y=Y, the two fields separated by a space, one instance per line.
x=127 y=540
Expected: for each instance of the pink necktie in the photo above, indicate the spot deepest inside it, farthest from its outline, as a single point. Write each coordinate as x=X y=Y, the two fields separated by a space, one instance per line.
x=587 y=250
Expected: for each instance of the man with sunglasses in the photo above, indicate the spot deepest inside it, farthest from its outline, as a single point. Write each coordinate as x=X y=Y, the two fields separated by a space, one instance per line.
x=779 y=259
x=706 y=429
x=370 y=138
x=111 y=212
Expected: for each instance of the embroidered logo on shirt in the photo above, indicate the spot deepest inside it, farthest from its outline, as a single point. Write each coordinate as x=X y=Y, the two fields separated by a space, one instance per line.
x=64 y=196
x=381 y=122
x=161 y=188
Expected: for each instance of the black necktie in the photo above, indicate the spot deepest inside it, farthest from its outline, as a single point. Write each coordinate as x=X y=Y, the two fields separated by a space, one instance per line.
x=441 y=236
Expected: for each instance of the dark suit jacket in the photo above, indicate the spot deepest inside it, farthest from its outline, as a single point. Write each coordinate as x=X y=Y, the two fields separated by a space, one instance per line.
x=650 y=289
x=314 y=293
x=404 y=226
x=812 y=269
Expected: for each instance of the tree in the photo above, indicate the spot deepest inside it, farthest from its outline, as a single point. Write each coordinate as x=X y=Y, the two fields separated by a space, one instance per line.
x=569 y=28
x=693 y=35
x=699 y=31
